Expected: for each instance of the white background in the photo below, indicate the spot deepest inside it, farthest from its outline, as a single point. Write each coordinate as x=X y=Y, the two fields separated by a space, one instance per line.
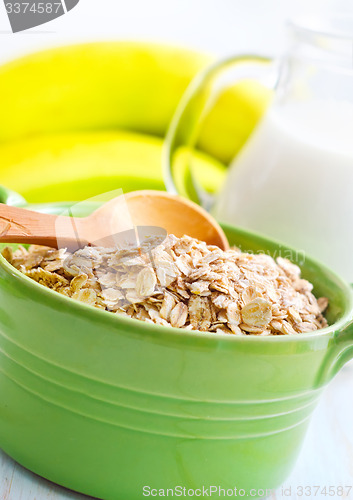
x=219 y=26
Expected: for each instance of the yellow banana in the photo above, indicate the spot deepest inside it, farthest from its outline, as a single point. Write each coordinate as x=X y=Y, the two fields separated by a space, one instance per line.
x=64 y=111
x=107 y=85
x=76 y=166
x=232 y=119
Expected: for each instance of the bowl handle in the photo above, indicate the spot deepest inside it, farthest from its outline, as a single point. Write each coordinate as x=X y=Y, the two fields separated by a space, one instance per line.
x=340 y=353
x=345 y=347
x=11 y=197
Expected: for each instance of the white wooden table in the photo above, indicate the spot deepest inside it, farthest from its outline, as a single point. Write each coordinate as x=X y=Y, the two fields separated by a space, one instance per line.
x=326 y=458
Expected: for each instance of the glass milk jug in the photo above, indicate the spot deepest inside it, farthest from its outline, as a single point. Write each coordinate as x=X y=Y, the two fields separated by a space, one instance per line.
x=293 y=179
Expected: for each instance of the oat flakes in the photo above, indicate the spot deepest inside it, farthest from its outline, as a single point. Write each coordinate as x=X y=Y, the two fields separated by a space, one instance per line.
x=184 y=283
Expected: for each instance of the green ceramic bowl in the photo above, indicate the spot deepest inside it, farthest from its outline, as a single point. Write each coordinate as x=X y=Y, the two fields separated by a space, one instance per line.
x=106 y=405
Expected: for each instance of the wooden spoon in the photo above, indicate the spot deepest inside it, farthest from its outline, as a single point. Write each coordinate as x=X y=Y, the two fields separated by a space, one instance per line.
x=174 y=214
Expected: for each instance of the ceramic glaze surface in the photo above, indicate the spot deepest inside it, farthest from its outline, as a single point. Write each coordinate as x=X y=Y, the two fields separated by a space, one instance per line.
x=107 y=405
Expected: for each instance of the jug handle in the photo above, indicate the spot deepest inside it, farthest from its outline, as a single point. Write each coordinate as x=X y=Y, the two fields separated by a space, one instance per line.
x=188 y=119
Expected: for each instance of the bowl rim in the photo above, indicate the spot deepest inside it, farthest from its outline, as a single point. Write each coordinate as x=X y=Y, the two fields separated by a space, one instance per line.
x=144 y=327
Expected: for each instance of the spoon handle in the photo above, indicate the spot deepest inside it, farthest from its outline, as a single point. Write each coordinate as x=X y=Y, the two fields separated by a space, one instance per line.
x=18 y=225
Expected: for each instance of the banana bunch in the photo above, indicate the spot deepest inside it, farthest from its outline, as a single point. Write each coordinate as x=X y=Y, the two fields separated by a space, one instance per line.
x=86 y=118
